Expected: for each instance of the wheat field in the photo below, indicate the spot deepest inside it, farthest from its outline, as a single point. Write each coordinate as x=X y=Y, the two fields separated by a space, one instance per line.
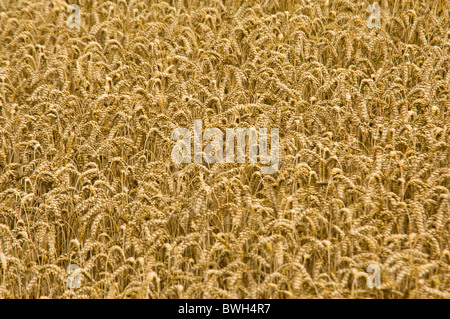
x=86 y=177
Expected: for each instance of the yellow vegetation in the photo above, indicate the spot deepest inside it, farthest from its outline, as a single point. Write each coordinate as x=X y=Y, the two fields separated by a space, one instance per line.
x=86 y=176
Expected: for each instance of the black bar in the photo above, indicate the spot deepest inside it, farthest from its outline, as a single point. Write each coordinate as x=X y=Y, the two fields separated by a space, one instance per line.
x=224 y=308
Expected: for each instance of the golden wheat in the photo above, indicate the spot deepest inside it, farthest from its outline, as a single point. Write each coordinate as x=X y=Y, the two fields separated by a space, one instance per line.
x=86 y=176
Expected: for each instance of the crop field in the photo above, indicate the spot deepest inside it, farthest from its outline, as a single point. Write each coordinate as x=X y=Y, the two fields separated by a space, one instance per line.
x=93 y=205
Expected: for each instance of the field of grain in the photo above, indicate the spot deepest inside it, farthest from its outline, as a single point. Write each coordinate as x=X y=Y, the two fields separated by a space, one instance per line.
x=87 y=179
